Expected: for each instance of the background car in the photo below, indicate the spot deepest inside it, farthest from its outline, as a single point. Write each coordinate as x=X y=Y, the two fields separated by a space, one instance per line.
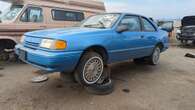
x=187 y=30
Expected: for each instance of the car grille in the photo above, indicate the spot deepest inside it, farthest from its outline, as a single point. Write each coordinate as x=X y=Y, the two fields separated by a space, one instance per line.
x=188 y=29
x=32 y=42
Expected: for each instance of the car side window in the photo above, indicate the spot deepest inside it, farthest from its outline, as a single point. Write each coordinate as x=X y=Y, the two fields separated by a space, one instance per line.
x=132 y=22
x=32 y=14
x=147 y=26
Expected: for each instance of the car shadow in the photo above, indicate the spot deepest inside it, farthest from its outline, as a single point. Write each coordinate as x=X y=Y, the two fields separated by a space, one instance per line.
x=41 y=95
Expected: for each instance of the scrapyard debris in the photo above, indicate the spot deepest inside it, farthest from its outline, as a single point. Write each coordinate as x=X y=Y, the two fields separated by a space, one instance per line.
x=126 y=90
x=190 y=55
x=39 y=79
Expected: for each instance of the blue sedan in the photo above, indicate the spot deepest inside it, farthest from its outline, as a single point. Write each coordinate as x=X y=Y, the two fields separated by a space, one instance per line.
x=87 y=48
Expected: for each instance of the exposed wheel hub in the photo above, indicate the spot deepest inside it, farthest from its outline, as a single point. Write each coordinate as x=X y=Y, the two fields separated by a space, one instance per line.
x=93 y=70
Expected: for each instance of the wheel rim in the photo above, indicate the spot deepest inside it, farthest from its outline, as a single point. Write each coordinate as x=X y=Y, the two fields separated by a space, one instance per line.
x=93 y=70
x=156 y=56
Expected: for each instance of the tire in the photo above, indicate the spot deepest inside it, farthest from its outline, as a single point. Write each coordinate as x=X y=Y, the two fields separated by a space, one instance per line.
x=4 y=56
x=101 y=89
x=89 y=69
x=154 y=58
x=177 y=37
x=105 y=75
x=67 y=77
x=184 y=42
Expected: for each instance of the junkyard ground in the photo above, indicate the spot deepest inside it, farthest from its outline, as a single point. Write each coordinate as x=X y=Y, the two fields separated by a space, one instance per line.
x=167 y=86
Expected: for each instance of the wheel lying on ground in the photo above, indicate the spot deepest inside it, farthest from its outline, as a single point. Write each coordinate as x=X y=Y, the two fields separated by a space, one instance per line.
x=105 y=88
x=155 y=57
x=90 y=69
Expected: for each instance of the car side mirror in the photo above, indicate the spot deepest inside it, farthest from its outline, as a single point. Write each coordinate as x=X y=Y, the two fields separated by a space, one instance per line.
x=122 y=28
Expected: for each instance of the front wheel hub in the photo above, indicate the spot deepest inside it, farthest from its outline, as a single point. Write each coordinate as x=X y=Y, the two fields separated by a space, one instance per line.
x=93 y=70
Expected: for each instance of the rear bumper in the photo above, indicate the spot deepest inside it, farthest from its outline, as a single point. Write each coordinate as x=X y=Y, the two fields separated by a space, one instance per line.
x=50 y=61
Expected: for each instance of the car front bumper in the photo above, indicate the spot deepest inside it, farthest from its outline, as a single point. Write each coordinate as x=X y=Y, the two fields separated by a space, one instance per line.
x=49 y=61
x=187 y=37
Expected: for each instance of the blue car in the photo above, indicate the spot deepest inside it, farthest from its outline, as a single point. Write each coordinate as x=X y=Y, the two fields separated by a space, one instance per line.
x=87 y=48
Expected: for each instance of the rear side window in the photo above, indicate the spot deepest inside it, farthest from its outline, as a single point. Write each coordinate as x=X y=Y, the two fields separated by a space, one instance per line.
x=32 y=14
x=61 y=15
x=147 y=26
x=132 y=22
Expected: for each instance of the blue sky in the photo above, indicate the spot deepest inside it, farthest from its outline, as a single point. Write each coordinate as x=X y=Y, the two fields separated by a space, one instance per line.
x=153 y=8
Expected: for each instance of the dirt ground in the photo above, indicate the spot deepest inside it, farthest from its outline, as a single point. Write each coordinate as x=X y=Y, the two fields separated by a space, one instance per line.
x=167 y=86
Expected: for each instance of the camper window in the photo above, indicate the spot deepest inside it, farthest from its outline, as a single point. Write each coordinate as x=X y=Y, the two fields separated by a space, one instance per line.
x=60 y=15
x=32 y=14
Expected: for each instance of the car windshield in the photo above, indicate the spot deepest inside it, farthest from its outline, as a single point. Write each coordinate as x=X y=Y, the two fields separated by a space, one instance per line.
x=100 y=21
x=12 y=13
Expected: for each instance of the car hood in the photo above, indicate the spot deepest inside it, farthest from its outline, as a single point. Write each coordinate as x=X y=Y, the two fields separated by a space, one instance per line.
x=63 y=32
x=188 y=21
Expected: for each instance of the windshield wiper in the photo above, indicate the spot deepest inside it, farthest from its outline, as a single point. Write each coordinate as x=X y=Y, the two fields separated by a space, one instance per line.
x=95 y=26
x=89 y=25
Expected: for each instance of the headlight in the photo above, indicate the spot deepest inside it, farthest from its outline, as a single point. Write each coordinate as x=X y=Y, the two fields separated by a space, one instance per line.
x=53 y=44
x=22 y=39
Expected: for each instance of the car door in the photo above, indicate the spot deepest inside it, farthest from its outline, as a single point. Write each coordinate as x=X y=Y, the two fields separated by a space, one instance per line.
x=128 y=44
x=150 y=34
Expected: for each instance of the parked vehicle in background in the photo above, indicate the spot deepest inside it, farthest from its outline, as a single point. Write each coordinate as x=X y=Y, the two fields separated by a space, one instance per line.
x=98 y=41
x=166 y=25
x=187 y=30
x=30 y=15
